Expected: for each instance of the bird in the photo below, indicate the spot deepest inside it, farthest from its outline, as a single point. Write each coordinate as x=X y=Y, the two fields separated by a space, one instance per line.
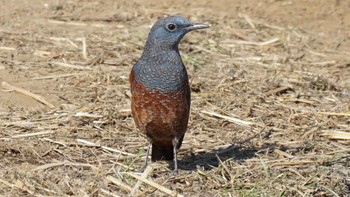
x=160 y=89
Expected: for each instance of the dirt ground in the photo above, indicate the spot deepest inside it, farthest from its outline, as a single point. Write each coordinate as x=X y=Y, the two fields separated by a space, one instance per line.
x=270 y=106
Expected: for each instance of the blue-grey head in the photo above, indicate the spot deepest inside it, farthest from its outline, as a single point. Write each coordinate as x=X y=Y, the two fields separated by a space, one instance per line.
x=166 y=33
x=160 y=66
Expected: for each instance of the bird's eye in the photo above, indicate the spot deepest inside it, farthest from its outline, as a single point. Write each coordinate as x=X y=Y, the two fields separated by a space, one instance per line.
x=171 y=26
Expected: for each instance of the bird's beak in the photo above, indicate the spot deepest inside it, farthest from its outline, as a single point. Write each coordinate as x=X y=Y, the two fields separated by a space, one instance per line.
x=196 y=26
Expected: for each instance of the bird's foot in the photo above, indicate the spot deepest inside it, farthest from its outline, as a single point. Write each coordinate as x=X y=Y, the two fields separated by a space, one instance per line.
x=142 y=169
x=175 y=172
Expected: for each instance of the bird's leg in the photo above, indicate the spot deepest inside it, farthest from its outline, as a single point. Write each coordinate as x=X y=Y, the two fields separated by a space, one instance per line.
x=175 y=142
x=147 y=155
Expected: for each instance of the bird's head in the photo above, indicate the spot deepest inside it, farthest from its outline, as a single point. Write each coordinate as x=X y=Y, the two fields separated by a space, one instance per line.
x=168 y=32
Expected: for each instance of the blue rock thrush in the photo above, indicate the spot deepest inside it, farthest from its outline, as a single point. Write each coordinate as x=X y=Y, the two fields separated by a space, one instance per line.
x=160 y=90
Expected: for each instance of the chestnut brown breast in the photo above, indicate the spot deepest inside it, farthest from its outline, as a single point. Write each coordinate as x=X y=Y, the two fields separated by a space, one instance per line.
x=161 y=116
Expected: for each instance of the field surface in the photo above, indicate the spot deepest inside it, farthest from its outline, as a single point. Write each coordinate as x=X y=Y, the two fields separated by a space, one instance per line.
x=270 y=109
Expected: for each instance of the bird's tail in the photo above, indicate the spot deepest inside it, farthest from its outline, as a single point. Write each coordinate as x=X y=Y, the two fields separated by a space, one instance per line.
x=162 y=152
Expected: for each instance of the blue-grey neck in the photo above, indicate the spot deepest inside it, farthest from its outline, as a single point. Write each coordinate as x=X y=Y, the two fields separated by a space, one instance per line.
x=160 y=67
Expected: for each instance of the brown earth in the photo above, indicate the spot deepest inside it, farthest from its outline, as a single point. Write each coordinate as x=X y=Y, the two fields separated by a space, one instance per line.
x=281 y=66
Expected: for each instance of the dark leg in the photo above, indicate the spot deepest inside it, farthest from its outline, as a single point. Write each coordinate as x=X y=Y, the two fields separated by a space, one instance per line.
x=147 y=155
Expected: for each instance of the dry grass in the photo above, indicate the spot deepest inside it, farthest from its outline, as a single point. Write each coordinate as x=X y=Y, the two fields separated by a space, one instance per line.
x=270 y=107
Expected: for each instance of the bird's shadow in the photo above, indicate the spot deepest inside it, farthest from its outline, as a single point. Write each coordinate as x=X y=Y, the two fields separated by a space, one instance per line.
x=211 y=159
x=238 y=152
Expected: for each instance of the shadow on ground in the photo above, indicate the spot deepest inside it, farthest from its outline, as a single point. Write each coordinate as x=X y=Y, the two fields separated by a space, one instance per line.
x=238 y=152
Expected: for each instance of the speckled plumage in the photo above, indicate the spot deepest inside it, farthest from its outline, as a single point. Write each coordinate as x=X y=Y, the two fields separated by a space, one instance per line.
x=160 y=88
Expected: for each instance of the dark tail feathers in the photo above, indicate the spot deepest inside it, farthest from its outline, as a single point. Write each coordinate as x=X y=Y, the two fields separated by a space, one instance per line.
x=162 y=153
x=165 y=152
